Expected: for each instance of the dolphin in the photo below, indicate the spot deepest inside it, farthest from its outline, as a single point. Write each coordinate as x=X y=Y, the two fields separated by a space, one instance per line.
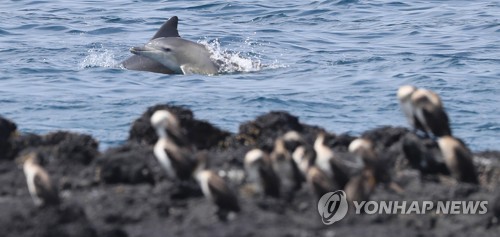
x=168 y=53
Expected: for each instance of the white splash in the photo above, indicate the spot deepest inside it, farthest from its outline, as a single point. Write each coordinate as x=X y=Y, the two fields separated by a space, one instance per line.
x=99 y=57
x=232 y=61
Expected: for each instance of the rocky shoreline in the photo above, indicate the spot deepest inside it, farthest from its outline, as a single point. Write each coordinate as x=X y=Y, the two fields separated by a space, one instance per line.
x=124 y=192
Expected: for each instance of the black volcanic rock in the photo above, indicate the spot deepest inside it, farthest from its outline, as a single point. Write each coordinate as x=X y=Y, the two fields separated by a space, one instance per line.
x=126 y=164
x=21 y=142
x=111 y=194
x=61 y=145
x=495 y=205
x=201 y=133
x=69 y=220
x=262 y=131
x=72 y=147
x=7 y=128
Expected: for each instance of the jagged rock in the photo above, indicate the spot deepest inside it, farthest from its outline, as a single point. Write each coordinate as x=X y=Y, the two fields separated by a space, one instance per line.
x=61 y=145
x=126 y=164
x=488 y=168
x=201 y=133
x=131 y=206
x=262 y=131
x=69 y=220
x=73 y=147
x=7 y=129
x=21 y=142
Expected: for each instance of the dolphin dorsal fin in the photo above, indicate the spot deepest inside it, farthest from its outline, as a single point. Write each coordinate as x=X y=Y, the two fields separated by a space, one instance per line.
x=168 y=29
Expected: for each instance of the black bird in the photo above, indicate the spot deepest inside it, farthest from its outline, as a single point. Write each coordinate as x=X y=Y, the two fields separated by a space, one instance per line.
x=430 y=113
x=405 y=102
x=360 y=187
x=260 y=173
x=215 y=189
x=40 y=186
x=286 y=169
x=338 y=169
x=458 y=159
x=375 y=168
x=178 y=161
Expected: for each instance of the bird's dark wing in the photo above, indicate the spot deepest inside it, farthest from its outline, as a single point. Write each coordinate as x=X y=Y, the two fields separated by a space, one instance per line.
x=340 y=171
x=45 y=189
x=437 y=120
x=223 y=196
x=271 y=181
x=297 y=175
x=465 y=165
x=320 y=181
x=182 y=161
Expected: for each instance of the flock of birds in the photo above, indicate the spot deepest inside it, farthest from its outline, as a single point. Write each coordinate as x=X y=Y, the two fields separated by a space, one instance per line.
x=292 y=161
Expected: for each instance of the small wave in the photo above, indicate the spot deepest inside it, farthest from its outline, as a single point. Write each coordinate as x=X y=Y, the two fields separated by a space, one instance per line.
x=4 y=32
x=99 y=57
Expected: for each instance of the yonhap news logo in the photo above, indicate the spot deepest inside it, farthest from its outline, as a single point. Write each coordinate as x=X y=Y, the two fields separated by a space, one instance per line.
x=333 y=207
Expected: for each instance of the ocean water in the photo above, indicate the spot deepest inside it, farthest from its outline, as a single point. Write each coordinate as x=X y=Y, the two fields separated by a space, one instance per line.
x=336 y=64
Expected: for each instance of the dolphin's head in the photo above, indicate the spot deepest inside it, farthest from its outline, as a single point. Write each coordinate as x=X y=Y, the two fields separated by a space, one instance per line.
x=162 y=50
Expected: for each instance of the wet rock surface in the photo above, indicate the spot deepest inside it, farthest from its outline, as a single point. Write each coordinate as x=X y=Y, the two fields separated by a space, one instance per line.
x=123 y=191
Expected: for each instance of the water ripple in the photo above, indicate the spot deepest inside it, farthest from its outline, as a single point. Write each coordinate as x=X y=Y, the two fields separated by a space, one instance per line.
x=335 y=63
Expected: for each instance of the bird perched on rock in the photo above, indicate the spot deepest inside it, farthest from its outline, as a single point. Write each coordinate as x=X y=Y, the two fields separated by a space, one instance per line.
x=430 y=113
x=304 y=156
x=404 y=95
x=286 y=169
x=215 y=189
x=292 y=140
x=375 y=168
x=329 y=162
x=422 y=155
x=319 y=182
x=40 y=186
x=360 y=187
x=364 y=148
x=260 y=173
x=458 y=159
x=177 y=160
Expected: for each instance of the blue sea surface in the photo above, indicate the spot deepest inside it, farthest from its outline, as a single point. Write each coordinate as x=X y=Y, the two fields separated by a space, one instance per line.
x=336 y=64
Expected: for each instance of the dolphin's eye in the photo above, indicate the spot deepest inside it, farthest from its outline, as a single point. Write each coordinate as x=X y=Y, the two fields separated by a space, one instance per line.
x=167 y=49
